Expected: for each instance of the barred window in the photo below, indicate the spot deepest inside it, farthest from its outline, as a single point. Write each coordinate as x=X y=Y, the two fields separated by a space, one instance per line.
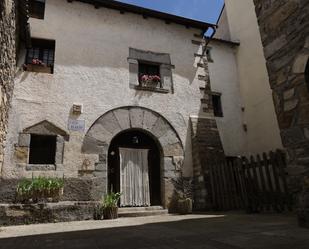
x=41 y=56
x=148 y=69
x=37 y=8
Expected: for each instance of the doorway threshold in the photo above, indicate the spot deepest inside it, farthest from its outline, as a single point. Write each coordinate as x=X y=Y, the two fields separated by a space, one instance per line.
x=142 y=211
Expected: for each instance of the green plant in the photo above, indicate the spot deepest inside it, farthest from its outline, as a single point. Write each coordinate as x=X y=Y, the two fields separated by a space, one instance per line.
x=183 y=188
x=39 y=188
x=111 y=200
x=98 y=212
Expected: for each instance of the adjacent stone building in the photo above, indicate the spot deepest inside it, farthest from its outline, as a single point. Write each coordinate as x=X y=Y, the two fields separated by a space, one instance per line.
x=7 y=66
x=284 y=27
x=13 y=35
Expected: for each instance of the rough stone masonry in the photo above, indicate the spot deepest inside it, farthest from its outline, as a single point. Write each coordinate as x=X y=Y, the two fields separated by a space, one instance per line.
x=284 y=27
x=7 y=65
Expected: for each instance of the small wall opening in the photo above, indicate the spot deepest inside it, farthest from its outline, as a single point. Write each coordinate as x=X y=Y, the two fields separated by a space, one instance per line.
x=217 y=105
x=42 y=149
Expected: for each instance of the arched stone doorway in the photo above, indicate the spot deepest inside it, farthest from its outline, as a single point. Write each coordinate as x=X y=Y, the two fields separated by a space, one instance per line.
x=149 y=124
x=136 y=140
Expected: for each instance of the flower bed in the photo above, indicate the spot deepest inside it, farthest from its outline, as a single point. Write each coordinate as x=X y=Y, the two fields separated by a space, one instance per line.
x=40 y=189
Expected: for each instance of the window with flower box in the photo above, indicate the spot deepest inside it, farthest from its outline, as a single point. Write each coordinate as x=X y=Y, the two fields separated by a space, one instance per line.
x=40 y=57
x=149 y=75
x=150 y=71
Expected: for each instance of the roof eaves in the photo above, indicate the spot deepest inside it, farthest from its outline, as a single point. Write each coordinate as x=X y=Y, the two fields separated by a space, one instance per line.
x=124 y=7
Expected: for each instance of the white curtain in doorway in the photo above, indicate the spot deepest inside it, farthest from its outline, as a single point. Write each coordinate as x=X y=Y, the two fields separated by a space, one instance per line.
x=134 y=177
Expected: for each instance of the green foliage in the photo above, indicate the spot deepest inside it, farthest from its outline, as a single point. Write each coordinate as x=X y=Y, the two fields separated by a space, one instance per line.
x=183 y=187
x=111 y=200
x=39 y=187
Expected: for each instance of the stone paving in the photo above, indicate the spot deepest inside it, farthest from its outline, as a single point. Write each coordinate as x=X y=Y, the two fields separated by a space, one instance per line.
x=227 y=231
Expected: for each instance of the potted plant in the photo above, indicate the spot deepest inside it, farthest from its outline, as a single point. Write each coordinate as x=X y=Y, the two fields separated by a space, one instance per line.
x=110 y=205
x=98 y=212
x=184 y=198
x=303 y=209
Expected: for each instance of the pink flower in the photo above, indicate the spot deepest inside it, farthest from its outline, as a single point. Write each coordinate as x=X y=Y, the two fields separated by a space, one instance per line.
x=37 y=62
x=144 y=77
x=156 y=78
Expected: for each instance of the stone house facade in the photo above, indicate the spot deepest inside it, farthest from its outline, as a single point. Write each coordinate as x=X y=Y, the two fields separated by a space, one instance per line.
x=83 y=95
x=284 y=27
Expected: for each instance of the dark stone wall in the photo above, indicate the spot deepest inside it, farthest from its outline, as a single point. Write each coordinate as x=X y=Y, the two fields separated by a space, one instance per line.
x=284 y=27
x=75 y=189
x=21 y=214
x=7 y=67
x=206 y=142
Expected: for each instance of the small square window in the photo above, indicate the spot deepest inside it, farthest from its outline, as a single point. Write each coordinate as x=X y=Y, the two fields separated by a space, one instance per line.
x=149 y=75
x=41 y=56
x=42 y=149
x=37 y=8
x=217 y=105
x=208 y=54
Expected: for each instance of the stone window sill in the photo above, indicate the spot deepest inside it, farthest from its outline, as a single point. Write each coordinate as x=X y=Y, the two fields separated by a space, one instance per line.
x=41 y=167
x=38 y=69
x=152 y=89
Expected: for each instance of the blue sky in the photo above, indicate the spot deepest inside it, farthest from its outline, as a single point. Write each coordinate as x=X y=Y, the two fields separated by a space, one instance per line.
x=204 y=10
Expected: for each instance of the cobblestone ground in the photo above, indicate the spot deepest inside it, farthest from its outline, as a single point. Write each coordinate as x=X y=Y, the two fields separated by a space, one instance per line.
x=230 y=231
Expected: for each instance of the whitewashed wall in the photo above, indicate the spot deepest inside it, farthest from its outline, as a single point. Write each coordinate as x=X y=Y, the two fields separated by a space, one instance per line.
x=92 y=46
x=91 y=68
x=224 y=80
x=263 y=130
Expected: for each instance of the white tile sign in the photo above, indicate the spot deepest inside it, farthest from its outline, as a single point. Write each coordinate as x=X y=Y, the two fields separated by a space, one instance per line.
x=76 y=125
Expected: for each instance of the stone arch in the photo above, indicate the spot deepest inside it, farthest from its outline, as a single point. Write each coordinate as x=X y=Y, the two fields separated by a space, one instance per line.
x=115 y=121
x=99 y=136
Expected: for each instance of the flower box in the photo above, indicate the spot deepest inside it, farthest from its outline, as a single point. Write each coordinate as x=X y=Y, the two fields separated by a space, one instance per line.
x=152 y=81
x=38 y=68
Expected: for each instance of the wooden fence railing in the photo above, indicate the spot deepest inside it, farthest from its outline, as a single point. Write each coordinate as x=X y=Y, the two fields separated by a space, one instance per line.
x=256 y=184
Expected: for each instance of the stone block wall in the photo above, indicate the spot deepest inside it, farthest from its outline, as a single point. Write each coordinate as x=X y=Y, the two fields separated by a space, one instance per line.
x=7 y=67
x=284 y=28
x=206 y=142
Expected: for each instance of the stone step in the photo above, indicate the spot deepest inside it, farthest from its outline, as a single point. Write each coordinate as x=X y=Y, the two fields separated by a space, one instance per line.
x=142 y=211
